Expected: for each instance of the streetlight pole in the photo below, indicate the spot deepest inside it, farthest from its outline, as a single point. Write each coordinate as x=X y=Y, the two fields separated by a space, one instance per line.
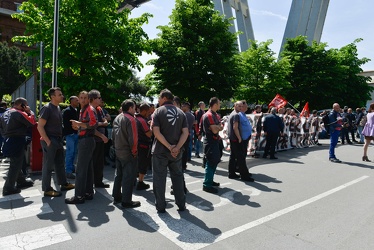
x=55 y=43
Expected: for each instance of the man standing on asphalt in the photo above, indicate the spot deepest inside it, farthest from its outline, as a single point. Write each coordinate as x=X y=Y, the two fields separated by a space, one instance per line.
x=14 y=126
x=71 y=135
x=50 y=129
x=335 y=125
x=125 y=141
x=198 y=115
x=273 y=127
x=169 y=126
x=245 y=129
x=186 y=107
x=144 y=144
x=237 y=157
x=211 y=126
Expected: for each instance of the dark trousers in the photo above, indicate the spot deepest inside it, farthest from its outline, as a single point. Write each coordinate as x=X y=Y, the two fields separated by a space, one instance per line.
x=98 y=162
x=271 y=141
x=53 y=160
x=126 y=170
x=160 y=165
x=14 y=172
x=344 y=135
x=186 y=146
x=237 y=158
x=84 y=171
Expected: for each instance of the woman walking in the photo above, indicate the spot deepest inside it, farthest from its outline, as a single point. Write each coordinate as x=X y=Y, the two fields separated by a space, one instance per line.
x=368 y=131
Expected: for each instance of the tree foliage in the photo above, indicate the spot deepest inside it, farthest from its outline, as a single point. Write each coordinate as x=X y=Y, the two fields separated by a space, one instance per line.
x=195 y=54
x=12 y=62
x=262 y=76
x=323 y=76
x=97 y=45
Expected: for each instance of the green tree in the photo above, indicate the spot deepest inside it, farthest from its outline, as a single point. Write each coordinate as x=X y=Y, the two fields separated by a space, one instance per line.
x=262 y=76
x=322 y=77
x=195 y=54
x=97 y=45
x=12 y=62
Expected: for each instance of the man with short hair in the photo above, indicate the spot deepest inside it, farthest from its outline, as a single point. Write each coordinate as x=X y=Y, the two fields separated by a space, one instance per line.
x=273 y=127
x=125 y=141
x=245 y=129
x=71 y=135
x=335 y=125
x=211 y=126
x=50 y=129
x=169 y=126
x=144 y=144
x=15 y=124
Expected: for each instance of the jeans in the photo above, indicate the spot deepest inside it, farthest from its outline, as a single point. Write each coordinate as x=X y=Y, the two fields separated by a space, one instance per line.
x=160 y=165
x=334 y=137
x=71 y=151
x=359 y=129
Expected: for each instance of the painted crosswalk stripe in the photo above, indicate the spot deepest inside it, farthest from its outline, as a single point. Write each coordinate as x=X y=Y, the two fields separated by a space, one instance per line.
x=24 y=212
x=35 y=239
x=27 y=193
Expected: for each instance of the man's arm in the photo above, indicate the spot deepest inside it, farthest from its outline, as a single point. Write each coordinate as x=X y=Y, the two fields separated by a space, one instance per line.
x=42 y=132
x=160 y=137
x=182 y=139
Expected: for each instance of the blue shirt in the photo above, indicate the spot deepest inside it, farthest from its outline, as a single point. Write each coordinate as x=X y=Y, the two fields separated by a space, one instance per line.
x=245 y=126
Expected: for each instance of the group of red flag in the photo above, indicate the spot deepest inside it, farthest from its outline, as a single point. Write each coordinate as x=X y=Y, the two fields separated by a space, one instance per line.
x=279 y=102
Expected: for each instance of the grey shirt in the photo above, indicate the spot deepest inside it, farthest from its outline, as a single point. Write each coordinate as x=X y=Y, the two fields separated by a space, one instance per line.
x=171 y=120
x=52 y=114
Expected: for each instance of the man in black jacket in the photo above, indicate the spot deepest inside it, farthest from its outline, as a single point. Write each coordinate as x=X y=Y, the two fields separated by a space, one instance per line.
x=71 y=135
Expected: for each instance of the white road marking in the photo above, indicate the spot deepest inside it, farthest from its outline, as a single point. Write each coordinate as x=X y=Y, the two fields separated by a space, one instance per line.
x=254 y=191
x=34 y=239
x=284 y=211
x=27 y=193
x=24 y=212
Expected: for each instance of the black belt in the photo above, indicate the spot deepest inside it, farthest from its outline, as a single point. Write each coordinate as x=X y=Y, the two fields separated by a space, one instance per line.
x=85 y=136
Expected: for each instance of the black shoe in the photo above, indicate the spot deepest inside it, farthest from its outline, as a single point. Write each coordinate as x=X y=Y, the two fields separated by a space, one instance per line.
x=211 y=190
x=350 y=143
x=234 y=176
x=10 y=192
x=88 y=197
x=197 y=156
x=25 y=184
x=102 y=185
x=131 y=204
x=215 y=184
x=335 y=160
x=181 y=209
x=117 y=200
x=142 y=186
x=273 y=157
x=74 y=200
x=247 y=178
x=161 y=211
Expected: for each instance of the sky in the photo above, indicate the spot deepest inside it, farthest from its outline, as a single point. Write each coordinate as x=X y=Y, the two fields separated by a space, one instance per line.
x=346 y=21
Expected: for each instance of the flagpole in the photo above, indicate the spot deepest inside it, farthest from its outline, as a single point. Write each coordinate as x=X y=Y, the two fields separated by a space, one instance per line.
x=293 y=107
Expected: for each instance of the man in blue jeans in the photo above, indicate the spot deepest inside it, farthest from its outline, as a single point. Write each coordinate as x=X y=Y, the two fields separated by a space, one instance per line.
x=335 y=124
x=71 y=135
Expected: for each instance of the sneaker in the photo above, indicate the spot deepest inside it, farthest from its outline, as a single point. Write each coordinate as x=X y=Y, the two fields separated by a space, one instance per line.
x=67 y=186
x=10 y=192
x=131 y=204
x=335 y=160
x=70 y=176
x=52 y=193
x=142 y=186
x=215 y=184
x=75 y=200
x=211 y=190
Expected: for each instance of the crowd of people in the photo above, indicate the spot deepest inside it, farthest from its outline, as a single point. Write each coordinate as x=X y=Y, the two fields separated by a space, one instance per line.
x=161 y=140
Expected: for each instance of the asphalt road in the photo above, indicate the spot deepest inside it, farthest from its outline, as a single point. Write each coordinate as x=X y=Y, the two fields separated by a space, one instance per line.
x=300 y=201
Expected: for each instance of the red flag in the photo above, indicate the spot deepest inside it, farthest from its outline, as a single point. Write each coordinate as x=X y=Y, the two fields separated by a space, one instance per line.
x=278 y=102
x=305 y=109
